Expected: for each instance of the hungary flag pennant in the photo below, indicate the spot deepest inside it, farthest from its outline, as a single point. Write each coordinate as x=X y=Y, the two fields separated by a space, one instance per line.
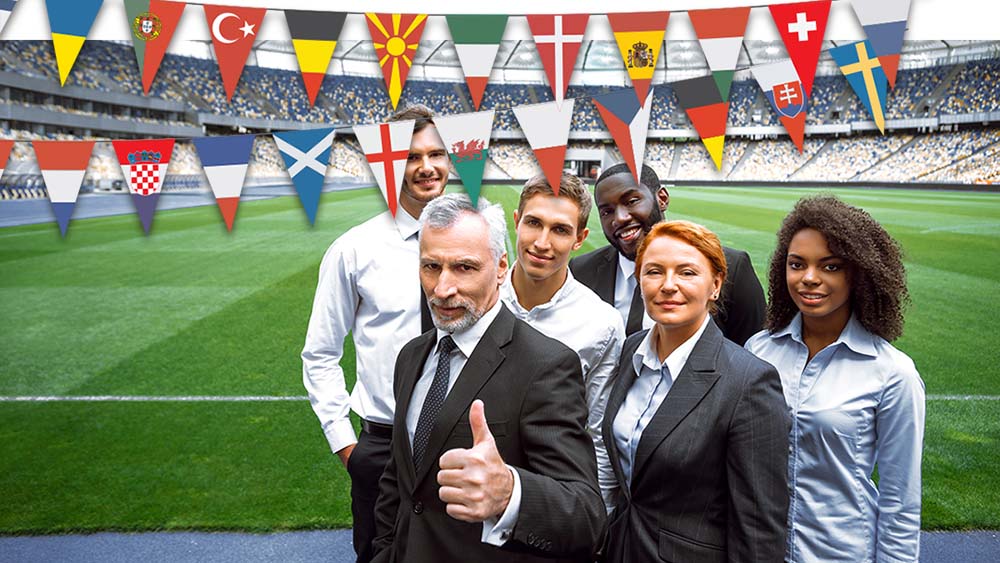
x=386 y=147
x=6 y=7
x=144 y=163
x=152 y=23
x=884 y=21
x=5 y=148
x=70 y=21
x=234 y=30
x=628 y=123
x=314 y=37
x=477 y=39
x=467 y=138
x=640 y=39
x=225 y=160
x=396 y=38
x=865 y=75
x=707 y=111
x=782 y=87
x=546 y=126
x=306 y=154
x=802 y=26
x=63 y=165
x=720 y=32
x=558 y=39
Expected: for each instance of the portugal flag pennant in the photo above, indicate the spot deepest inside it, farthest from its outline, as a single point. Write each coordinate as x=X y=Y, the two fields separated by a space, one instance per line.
x=720 y=32
x=884 y=21
x=314 y=37
x=802 y=27
x=477 y=39
x=307 y=154
x=640 y=40
x=144 y=163
x=558 y=39
x=233 y=32
x=628 y=123
x=152 y=23
x=782 y=87
x=386 y=147
x=225 y=159
x=707 y=111
x=865 y=75
x=546 y=126
x=70 y=21
x=63 y=165
x=396 y=38
x=467 y=138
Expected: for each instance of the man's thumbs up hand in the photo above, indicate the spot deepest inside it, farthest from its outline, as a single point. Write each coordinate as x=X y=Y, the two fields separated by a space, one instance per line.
x=475 y=483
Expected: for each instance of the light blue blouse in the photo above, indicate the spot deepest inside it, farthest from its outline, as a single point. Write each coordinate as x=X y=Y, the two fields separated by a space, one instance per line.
x=859 y=402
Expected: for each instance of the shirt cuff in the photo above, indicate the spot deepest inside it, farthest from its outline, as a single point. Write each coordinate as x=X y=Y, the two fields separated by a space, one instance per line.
x=498 y=531
x=340 y=434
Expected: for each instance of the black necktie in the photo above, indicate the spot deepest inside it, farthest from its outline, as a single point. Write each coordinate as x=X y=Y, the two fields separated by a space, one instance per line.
x=434 y=399
x=635 y=313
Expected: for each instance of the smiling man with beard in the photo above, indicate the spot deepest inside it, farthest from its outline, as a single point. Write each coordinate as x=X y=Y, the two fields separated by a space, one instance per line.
x=627 y=212
x=363 y=290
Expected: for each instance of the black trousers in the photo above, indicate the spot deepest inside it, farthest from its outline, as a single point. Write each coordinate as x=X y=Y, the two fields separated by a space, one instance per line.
x=365 y=466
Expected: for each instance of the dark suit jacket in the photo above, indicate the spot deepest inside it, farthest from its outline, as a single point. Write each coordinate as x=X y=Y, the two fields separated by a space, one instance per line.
x=709 y=483
x=533 y=391
x=741 y=303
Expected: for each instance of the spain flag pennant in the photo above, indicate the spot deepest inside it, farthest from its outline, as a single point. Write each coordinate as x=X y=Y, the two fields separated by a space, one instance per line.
x=640 y=40
x=396 y=38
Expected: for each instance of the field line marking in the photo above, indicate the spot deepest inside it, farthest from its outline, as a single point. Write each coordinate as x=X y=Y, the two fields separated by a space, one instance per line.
x=963 y=397
x=274 y=398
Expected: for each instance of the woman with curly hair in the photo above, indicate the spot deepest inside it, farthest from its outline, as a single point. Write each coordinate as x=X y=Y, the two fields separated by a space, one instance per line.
x=837 y=287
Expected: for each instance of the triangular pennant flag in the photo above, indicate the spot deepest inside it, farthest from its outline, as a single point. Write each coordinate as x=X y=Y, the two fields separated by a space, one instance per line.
x=63 y=165
x=707 y=111
x=5 y=148
x=802 y=27
x=558 y=39
x=884 y=22
x=396 y=38
x=225 y=160
x=546 y=126
x=233 y=32
x=720 y=33
x=152 y=23
x=144 y=163
x=70 y=21
x=865 y=75
x=307 y=156
x=628 y=123
x=387 y=146
x=314 y=37
x=640 y=39
x=477 y=39
x=467 y=137
x=782 y=87
x=6 y=7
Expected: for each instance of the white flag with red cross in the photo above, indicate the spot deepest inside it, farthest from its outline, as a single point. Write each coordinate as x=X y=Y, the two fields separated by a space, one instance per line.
x=387 y=146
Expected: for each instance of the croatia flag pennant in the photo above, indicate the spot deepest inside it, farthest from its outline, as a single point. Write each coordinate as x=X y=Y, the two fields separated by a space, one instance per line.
x=6 y=7
x=63 y=165
x=467 y=138
x=314 y=37
x=152 y=23
x=546 y=126
x=865 y=75
x=558 y=39
x=802 y=27
x=144 y=163
x=307 y=154
x=477 y=39
x=5 y=148
x=782 y=87
x=233 y=30
x=628 y=123
x=720 y=33
x=884 y=21
x=225 y=160
x=386 y=147
x=707 y=111
x=70 y=21
x=396 y=38
x=640 y=39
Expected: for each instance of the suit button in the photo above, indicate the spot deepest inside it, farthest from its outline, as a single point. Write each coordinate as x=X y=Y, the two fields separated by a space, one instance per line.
x=418 y=507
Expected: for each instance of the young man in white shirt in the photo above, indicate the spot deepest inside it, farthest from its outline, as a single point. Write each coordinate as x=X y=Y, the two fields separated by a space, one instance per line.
x=369 y=287
x=541 y=291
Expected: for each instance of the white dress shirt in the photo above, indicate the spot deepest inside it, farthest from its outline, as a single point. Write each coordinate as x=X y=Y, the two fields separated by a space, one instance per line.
x=369 y=285
x=625 y=284
x=496 y=531
x=578 y=318
x=859 y=402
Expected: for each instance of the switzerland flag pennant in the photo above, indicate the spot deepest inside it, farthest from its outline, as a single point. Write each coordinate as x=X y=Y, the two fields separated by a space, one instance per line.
x=233 y=32
x=802 y=27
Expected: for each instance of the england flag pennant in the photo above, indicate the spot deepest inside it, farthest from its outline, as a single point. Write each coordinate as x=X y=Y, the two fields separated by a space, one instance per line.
x=467 y=138
x=63 y=165
x=782 y=87
x=546 y=126
x=386 y=147
x=307 y=154
x=802 y=26
x=225 y=159
x=144 y=163
x=628 y=123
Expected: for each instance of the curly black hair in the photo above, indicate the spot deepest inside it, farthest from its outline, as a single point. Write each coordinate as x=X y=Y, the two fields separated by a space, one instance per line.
x=874 y=259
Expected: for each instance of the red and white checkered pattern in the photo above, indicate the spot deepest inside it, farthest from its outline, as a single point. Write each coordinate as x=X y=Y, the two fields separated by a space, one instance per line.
x=145 y=179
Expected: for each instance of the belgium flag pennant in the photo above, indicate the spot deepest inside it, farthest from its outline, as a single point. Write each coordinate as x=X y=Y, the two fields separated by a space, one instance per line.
x=558 y=39
x=720 y=32
x=70 y=21
x=396 y=38
x=865 y=75
x=884 y=21
x=152 y=23
x=467 y=137
x=477 y=39
x=234 y=30
x=802 y=26
x=628 y=123
x=707 y=111
x=640 y=40
x=314 y=37
x=63 y=165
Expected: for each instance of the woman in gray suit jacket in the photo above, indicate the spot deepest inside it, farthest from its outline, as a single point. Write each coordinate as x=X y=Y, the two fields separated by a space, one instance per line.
x=696 y=427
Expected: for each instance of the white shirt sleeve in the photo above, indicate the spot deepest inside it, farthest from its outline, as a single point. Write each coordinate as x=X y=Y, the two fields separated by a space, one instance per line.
x=599 y=382
x=496 y=531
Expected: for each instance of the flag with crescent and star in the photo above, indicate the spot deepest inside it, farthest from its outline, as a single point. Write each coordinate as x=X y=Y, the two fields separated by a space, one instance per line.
x=865 y=75
x=224 y=159
x=70 y=22
x=884 y=22
x=314 y=37
x=720 y=33
x=802 y=26
x=546 y=127
x=63 y=165
x=628 y=123
x=144 y=163
x=307 y=155
x=477 y=40
x=782 y=87
x=152 y=24
x=233 y=30
x=387 y=147
x=395 y=38
x=467 y=138
x=640 y=39
x=558 y=39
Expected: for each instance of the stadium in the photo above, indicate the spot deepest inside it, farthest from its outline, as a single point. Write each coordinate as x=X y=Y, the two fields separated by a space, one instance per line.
x=153 y=383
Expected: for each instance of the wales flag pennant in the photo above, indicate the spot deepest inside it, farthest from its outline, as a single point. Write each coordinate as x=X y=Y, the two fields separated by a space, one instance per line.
x=467 y=138
x=558 y=39
x=720 y=33
x=640 y=39
x=395 y=38
x=782 y=87
x=477 y=39
x=546 y=126
x=306 y=154
x=884 y=21
x=628 y=123
x=152 y=24
x=865 y=75
x=225 y=159
x=802 y=26
x=70 y=21
x=63 y=165
x=314 y=37
x=144 y=163
x=386 y=147
x=707 y=111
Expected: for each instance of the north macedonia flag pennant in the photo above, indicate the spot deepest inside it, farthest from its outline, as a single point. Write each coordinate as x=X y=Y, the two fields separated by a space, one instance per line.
x=152 y=24
x=640 y=39
x=720 y=33
x=396 y=38
x=70 y=21
x=314 y=37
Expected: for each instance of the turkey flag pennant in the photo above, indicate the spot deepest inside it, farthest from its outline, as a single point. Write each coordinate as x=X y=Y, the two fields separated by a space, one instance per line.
x=546 y=126
x=387 y=146
x=144 y=163
x=63 y=165
x=233 y=32
x=802 y=27
x=558 y=39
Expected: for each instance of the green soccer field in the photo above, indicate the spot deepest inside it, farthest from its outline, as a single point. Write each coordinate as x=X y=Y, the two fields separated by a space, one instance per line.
x=194 y=311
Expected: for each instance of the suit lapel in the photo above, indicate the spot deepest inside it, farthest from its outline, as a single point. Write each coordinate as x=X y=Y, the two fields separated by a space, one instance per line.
x=690 y=387
x=415 y=368
x=606 y=275
x=623 y=382
x=484 y=361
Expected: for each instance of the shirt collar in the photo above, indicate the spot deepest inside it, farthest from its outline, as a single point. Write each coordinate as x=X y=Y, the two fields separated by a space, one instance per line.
x=509 y=294
x=645 y=354
x=626 y=266
x=854 y=335
x=468 y=339
x=406 y=224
